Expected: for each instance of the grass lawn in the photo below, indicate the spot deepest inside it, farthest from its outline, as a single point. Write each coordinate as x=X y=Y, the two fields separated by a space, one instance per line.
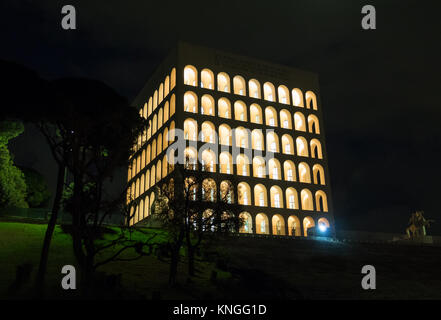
x=249 y=268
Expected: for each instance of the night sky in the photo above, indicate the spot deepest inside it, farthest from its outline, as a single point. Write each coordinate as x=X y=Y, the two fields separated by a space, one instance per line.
x=380 y=89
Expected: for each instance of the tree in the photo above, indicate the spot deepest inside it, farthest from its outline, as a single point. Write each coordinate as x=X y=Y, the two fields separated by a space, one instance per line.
x=38 y=193
x=12 y=182
x=188 y=218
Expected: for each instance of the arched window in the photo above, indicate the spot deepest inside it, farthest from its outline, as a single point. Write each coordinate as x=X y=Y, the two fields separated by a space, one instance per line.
x=239 y=85
x=292 y=200
x=271 y=116
x=247 y=223
x=144 y=110
x=172 y=105
x=226 y=191
x=308 y=223
x=207 y=79
x=242 y=137
x=172 y=78
x=294 y=228
x=226 y=163
x=260 y=196
x=323 y=224
x=259 y=168
x=209 y=190
x=161 y=93
x=287 y=144
x=274 y=169
x=152 y=176
x=262 y=225
x=311 y=100
x=283 y=94
x=302 y=147
x=159 y=145
x=254 y=89
x=190 y=102
x=313 y=124
x=155 y=100
x=208 y=132
x=272 y=142
x=190 y=158
x=278 y=225
x=299 y=121
x=321 y=201
x=318 y=174
x=276 y=197
x=166 y=86
x=244 y=193
x=207 y=105
x=171 y=132
x=208 y=160
x=190 y=129
x=225 y=135
x=240 y=111
x=304 y=173
x=164 y=166
x=191 y=188
x=285 y=119
x=256 y=114
x=297 y=97
x=223 y=82
x=257 y=140
x=190 y=76
x=307 y=201
x=166 y=111
x=224 y=108
x=316 y=149
x=160 y=115
x=150 y=107
x=147 y=180
x=158 y=171
x=289 y=170
x=155 y=123
x=242 y=165
x=269 y=92
x=147 y=156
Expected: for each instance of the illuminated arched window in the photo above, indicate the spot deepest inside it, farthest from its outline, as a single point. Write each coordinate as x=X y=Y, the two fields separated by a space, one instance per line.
x=297 y=97
x=316 y=149
x=207 y=79
x=155 y=100
x=318 y=174
x=313 y=124
x=302 y=147
x=226 y=192
x=272 y=142
x=285 y=119
x=147 y=180
x=147 y=156
x=164 y=166
x=289 y=170
x=244 y=193
x=294 y=227
x=145 y=110
x=256 y=114
x=257 y=140
x=240 y=111
x=276 y=197
x=208 y=160
x=166 y=112
x=271 y=116
x=224 y=108
x=247 y=223
x=190 y=129
x=158 y=171
x=321 y=201
x=287 y=144
x=311 y=100
x=190 y=158
x=269 y=92
x=152 y=176
x=150 y=107
x=308 y=223
x=155 y=124
x=254 y=89
x=323 y=223
x=190 y=76
x=274 y=169
x=226 y=163
x=172 y=105
x=166 y=86
x=209 y=190
x=299 y=121
x=239 y=85
x=225 y=135
x=304 y=172
x=207 y=105
x=172 y=78
x=223 y=82
x=306 y=199
x=262 y=225
x=260 y=196
x=159 y=144
x=160 y=93
x=153 y=149
x=171 y=132
x=292 y=199
x=160 y=115
x=190 y=102
x=283 y=94
x=242 y=165
x=208 y=132
x=242 y=137
x=278 y=225
x=259 y=168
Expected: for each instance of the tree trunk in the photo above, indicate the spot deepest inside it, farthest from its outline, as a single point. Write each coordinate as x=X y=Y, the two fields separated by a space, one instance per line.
x=173 y=267
x=49 y=231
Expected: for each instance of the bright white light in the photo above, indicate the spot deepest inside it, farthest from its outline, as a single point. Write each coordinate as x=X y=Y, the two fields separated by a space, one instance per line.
x=322 y=227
